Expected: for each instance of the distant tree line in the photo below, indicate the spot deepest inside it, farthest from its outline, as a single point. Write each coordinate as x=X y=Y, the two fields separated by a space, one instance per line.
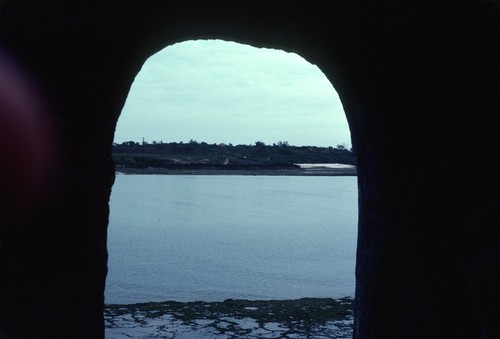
x=160 y=154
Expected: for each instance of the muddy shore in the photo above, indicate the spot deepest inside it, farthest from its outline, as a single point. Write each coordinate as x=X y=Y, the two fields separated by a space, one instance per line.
x=316 y=171
x=301 y=318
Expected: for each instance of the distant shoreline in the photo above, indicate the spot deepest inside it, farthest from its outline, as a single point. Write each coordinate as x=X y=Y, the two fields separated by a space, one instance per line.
x=311 y=171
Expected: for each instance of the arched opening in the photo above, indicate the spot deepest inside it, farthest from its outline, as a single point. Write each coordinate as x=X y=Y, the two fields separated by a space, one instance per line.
x=197 y=85
x=216 y=237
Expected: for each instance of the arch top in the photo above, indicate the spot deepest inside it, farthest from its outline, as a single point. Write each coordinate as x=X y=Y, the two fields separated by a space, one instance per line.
x=244 y=93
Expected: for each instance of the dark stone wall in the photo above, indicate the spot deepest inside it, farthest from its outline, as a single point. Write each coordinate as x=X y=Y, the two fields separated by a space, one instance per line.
x=420 y=87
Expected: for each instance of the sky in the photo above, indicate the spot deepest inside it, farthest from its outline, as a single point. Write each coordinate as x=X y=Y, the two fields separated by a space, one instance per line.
x=218 y=91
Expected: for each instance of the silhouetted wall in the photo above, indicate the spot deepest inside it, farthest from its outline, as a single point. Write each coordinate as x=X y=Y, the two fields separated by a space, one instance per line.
x=420 y=87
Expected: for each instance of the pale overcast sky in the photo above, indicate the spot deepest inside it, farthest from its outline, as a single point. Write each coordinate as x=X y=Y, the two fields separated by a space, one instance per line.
x=223 y=92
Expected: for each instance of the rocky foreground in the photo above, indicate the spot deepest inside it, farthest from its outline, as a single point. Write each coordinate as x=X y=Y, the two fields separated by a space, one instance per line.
x=301 y=318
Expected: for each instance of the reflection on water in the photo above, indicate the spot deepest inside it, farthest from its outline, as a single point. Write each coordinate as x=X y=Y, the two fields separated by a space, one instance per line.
x=212 y=238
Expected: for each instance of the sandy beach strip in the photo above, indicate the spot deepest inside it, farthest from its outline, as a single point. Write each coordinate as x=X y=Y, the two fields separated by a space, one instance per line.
x=303 y=170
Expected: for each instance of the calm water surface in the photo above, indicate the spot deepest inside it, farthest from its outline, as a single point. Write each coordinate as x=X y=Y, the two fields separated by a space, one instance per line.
x=190 y=237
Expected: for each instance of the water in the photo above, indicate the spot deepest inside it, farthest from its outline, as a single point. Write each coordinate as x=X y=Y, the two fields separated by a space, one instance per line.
x=190 y=237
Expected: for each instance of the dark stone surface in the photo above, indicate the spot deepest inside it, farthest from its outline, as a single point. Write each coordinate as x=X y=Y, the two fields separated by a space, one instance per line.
x=420 y=87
